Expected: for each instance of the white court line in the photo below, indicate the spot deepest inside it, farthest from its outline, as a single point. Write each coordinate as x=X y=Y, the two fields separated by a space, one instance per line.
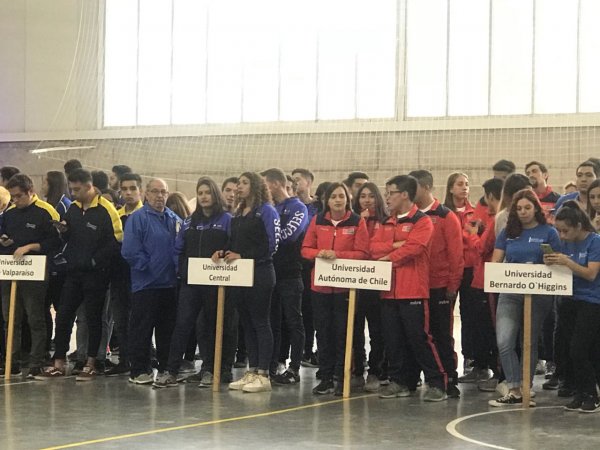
x=451 y=427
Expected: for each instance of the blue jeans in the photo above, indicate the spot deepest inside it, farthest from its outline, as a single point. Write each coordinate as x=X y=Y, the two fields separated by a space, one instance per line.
x=509 y=327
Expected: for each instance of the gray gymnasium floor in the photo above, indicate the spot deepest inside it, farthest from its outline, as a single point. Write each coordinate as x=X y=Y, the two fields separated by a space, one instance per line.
x=112 y=413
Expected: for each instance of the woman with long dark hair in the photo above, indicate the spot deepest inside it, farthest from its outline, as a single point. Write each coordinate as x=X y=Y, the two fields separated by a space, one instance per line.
x=593 y=206
x=56 y=191
x=337 y=232
x=457 y=200
x=578 y=343
x=370 y=205
x=254 y=235
x=203 y=233
x=520 y=242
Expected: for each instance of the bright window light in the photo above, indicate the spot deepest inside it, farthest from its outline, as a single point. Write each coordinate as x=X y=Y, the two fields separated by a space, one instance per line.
x=589 y=48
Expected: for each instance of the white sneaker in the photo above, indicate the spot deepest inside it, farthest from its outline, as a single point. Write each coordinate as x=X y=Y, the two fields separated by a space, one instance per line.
x=239 y=384
x=261 y=383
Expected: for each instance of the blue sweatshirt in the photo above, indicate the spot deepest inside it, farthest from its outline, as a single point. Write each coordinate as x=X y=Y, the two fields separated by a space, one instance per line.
x=564 y=198
x=256 y=235
x=583 y=253
x=294 y=221
x=148 y=245
x=526 y=247
x=62 y=206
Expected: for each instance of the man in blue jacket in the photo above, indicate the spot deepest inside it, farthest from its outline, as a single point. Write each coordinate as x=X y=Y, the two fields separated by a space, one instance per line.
x=148 y=245
x=286 y=301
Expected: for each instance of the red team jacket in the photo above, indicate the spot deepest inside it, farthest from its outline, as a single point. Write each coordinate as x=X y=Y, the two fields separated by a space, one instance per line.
x=446 y=261
x=349 y=239
x=410 y=277
x=484 y=245
x=470 y=254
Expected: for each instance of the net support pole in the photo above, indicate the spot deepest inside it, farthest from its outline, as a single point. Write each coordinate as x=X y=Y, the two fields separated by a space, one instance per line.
x=11 y=329
x=526 y=385
x=219 y=339
x=349 y=340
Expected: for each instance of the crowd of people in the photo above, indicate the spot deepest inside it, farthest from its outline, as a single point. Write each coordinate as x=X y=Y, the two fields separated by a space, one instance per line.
x=118 y=255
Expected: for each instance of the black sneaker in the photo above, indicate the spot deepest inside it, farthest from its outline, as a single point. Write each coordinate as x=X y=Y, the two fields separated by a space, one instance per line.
x=339 y=388
x=15 y=371
x=78 y=367
x=590 y=404
x=323 y=388
x=566 y=391
x=226 y=377
x=33 y=371
x=119 y=369
x=452 y=391
x=310 y=360
x=509 y=399
x=552 y=384
x=575 y=404
x=100 y=367
x=287 y=377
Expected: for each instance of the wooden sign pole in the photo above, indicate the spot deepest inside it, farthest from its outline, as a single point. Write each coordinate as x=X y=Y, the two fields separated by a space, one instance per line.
x=526 y=359
x=11 y=330
x=349 y=341
x=219 y=339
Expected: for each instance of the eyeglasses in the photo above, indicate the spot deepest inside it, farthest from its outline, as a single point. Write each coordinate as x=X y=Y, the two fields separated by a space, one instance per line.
x=389 y=193
x=157 y=192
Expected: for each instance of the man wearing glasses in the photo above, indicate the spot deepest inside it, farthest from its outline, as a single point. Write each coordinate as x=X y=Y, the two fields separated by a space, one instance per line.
x=148 y=248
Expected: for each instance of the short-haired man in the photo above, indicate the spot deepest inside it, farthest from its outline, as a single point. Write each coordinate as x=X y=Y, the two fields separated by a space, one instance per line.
x=100 y=180
x=445 y=273
x=304 y=179
x=286 y=300
x=148 y=247
x=229 y=190
x=120 y=286
x=405 y=239
x=6 y=173
x=501 y=170
x=586 y=172
x=72 y=165
x=92 y=231
x=354 y=181
x=27 y=230
x=538 y=175
x=116 y=174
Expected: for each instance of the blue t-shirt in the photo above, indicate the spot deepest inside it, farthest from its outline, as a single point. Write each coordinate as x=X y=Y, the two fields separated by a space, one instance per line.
x=526 y=247
x=582 y=253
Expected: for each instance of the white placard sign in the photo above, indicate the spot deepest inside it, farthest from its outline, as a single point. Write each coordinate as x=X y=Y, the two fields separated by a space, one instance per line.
x=27 y=268
x=353 y=273
x=237 y=273
x=528 y=279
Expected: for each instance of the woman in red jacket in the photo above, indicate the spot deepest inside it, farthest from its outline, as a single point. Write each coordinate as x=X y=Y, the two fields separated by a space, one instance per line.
x=337 y=232
x=457 y=199
x=369 y=203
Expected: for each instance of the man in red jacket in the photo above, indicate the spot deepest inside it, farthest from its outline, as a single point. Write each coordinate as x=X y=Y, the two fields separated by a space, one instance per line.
x=445 y=273
x=405 y=239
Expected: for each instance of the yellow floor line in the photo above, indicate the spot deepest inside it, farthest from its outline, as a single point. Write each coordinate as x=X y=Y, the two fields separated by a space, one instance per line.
x=202 y=424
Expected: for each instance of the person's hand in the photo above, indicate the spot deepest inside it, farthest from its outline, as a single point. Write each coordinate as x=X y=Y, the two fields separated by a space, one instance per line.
x=21 y=251
x=60 y=226
x=398 y=244
x=327 y=254
x=231 y=256
x=216 y=256
x=558 y=259
x=472 y=226
x=365 y=214
x=5 y=241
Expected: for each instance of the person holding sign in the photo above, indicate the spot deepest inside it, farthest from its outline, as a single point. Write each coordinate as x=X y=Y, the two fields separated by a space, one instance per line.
x=92 y=231
x=579 y=316
x=370 y=205
x=405 y=239
x=27 y=230
x=337 y=232
x=254 y=235
x=205 y=232
x=521 y=242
